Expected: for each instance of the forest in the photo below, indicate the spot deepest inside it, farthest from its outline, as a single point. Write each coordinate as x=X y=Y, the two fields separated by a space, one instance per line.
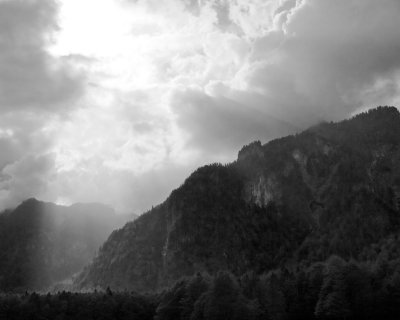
x=334 y=289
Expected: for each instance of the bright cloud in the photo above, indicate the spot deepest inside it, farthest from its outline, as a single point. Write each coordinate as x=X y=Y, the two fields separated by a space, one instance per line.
x=118 y=101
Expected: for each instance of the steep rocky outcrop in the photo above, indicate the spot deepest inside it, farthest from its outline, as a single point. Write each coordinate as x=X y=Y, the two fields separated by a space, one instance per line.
x=333 y=189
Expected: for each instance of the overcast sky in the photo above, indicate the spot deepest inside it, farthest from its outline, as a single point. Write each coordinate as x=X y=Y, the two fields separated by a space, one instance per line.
x=117 y=101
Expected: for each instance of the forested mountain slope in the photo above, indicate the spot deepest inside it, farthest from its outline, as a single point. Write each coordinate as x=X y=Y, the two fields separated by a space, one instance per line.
x=332 y=189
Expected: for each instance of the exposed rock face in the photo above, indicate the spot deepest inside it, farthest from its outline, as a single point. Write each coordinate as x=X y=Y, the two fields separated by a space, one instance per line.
x=333 y=189
x=263 y=191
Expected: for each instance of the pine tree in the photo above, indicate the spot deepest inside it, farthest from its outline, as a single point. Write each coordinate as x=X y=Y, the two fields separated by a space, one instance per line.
x=333 y=303
x=194 y=289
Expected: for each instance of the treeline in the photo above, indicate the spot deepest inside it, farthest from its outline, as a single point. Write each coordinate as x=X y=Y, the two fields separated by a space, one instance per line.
x=106 y=305
x=335 y=289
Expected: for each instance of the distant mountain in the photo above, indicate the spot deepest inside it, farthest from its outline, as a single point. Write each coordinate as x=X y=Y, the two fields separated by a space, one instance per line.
x=42 y=243
x=332 y=189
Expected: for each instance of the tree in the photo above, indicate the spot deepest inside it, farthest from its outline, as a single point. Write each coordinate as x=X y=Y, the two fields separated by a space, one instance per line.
x=222 y=301
x=195 y=287
x=333 y=303
x=170 y=306
x=271 y=297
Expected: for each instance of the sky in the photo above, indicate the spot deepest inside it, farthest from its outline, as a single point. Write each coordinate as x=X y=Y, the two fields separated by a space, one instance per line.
x=118 y=101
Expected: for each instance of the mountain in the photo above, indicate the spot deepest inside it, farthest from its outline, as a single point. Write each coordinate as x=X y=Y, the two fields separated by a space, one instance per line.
x=333 y=189
x=42 y=243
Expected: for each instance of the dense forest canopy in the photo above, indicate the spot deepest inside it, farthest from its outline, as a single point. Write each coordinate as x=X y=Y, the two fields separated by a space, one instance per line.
x=334 y=289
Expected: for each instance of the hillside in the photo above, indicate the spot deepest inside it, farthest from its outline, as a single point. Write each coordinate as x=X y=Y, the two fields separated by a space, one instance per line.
x=332 y=189
x=42 y=243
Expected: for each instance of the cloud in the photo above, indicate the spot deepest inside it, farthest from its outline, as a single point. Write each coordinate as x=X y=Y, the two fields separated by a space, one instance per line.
x=35 y=87
x=309 y=61
x=122 y=112
x=29 y=76
x=220 y=126
x=123 y=189
x=323 y=56
x=26 y=161
x=25 y=178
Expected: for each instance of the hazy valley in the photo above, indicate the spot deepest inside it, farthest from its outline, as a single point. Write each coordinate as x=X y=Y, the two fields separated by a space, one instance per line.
x=42 y=244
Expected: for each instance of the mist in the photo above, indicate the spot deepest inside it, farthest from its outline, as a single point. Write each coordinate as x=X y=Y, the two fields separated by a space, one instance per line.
x=45 y=245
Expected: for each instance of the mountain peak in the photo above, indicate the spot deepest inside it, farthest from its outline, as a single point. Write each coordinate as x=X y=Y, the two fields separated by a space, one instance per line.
x=253 y=149
x=29 y=207
x=30 y=201
x=379 y=112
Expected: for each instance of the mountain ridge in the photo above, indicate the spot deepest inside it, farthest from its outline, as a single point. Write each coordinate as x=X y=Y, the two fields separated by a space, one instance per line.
x=331 y=189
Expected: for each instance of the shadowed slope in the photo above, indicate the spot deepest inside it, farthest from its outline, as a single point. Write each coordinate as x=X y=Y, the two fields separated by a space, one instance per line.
x=332 y=189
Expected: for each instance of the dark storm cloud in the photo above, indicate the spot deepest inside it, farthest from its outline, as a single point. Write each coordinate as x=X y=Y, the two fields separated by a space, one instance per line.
x=29 y=76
